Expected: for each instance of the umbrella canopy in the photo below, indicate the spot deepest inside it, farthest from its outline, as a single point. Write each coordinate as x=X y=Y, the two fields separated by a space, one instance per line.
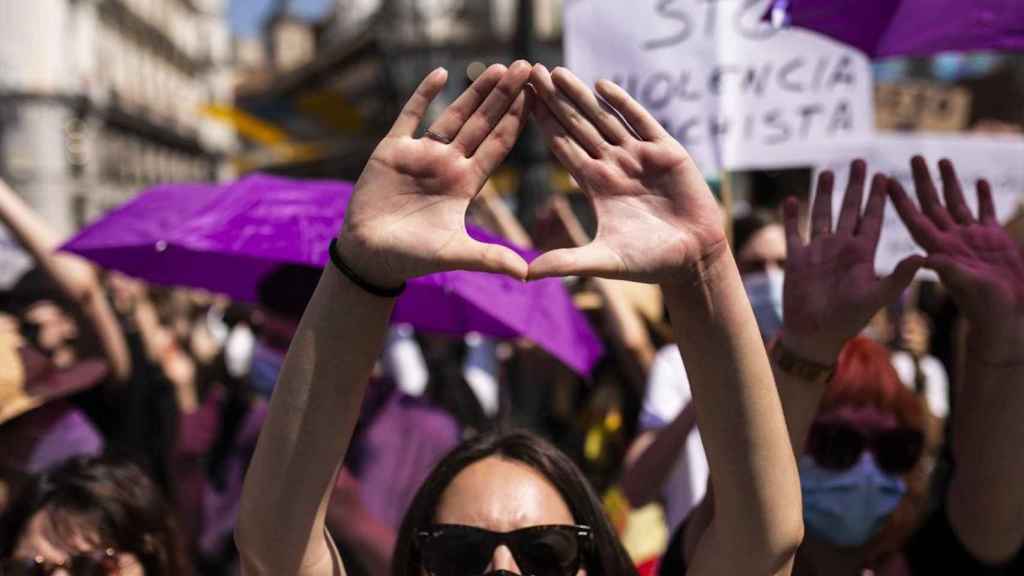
x=228 y=239
x=884 y=28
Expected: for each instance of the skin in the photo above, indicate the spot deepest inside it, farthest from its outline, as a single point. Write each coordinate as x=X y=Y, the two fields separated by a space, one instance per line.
x=75 y=277
x=56 y=331
x=766 y=250
x=502 y=495
x=40 y=540
x=658 y=223
x=832 y=292
x=654 y=453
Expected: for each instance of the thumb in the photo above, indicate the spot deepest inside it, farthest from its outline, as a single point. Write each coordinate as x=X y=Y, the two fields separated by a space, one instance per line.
x=469 y=254
x=952 y=275
x=893 y=285
x=589 y=260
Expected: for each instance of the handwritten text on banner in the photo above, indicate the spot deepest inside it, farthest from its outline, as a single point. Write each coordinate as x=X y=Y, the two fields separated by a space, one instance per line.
x=736 y=92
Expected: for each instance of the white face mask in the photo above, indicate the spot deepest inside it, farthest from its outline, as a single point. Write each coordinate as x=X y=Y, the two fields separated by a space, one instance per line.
x=765 y=292
x=238 y=351
x=404 y=362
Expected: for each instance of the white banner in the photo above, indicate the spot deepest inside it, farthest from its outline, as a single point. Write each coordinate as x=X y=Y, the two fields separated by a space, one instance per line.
x=1000 y=160
x=736 y=92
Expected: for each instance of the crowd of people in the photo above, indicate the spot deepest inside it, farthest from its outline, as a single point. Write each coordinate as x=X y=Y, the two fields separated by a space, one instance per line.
x=787 y=409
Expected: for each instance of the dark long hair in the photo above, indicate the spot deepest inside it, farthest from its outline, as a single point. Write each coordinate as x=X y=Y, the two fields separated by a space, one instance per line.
x=113 y=498
x=608 y=557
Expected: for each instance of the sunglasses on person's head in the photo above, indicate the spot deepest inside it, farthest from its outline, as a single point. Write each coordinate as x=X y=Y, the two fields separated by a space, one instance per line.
x=455 y=550
x=839 y=445
x=93 y=563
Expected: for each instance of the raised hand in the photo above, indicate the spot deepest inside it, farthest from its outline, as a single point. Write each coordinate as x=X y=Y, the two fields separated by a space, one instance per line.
x=831 y=289
x=975 y=257
x=407 y=214
x=656 y=215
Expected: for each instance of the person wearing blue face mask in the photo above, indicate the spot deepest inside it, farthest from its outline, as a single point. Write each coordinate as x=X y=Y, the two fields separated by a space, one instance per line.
x=857 y=435
x=759 y=243
x=862 y=475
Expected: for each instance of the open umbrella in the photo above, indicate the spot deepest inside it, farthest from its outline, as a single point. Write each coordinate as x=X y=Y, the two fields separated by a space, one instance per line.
x=883 y=28
x=229 y=239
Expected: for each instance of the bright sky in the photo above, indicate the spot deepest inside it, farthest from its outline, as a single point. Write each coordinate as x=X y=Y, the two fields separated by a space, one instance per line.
x=247 y=15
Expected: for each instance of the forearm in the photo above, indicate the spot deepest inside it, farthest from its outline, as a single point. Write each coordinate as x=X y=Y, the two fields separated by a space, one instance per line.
x=312 y=414
x=647 y=472
x=626 y=324
x=800 y=400
x=107 y=329
x=753 y=472
x=985 y=502
x=505 y=221
x=74 y=276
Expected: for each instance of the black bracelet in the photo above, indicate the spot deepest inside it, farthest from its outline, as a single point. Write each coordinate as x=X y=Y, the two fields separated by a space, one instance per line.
x=351 y=275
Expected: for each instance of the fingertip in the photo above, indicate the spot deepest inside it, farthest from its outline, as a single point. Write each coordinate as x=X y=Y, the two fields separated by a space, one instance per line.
x=858 y=165
x=826 y=180
x=520 y=67
x=791 y=207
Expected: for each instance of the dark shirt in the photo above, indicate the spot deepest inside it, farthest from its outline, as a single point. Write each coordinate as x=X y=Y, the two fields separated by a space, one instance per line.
x=936 y=549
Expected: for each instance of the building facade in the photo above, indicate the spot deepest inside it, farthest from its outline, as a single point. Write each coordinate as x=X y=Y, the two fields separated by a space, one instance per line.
x=101 y=98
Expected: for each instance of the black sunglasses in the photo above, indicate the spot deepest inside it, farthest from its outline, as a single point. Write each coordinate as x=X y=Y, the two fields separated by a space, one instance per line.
x=94 y=563
x=838 y=446
x=455 y=550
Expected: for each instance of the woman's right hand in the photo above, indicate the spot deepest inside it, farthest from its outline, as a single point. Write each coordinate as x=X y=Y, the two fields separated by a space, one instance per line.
x=975 y=257
x=831 y=290
x=407 y=214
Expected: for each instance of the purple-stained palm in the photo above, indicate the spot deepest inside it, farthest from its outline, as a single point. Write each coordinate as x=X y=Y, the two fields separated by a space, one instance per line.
x=884 y=28
x=227 y=239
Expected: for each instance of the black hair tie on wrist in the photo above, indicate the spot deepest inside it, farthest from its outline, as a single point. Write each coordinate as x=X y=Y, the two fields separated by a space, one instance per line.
x=351 y=275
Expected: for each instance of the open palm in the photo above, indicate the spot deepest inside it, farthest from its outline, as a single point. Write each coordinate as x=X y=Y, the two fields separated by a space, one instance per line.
x=831 y=290
x=407 y=214
x=978 y=262
x=656 y=215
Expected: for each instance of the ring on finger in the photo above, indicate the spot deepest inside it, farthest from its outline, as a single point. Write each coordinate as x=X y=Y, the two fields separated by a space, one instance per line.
x=438 y=137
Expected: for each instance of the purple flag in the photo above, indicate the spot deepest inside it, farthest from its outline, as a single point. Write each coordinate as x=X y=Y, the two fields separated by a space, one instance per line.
x=884 y=28
x=227 y=239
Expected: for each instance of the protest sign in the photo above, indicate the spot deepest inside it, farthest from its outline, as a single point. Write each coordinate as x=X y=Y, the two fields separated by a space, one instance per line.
x=997 y=159
x=738 y=93
x=924 y=106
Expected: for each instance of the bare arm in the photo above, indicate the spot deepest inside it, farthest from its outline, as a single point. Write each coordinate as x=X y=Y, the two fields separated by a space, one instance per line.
x=653 y=456
x=984 y=271
x=659 y=223
x=406 y=218
x=831 y=290
x=73 y=275
x=625 y=322
x=505 y=221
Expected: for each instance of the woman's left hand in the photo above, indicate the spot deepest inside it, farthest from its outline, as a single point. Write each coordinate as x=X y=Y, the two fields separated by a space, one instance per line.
x=656 y=216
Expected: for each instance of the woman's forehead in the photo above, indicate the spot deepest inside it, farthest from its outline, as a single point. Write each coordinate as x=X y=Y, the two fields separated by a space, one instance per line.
x=501 y=495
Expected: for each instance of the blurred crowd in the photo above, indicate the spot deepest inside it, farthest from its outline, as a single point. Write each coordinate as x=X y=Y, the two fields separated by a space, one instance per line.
x=134 y=409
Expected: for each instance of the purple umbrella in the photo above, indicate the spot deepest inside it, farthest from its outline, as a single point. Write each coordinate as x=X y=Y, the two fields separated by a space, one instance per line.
x=228 y=239
x=883 y=28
